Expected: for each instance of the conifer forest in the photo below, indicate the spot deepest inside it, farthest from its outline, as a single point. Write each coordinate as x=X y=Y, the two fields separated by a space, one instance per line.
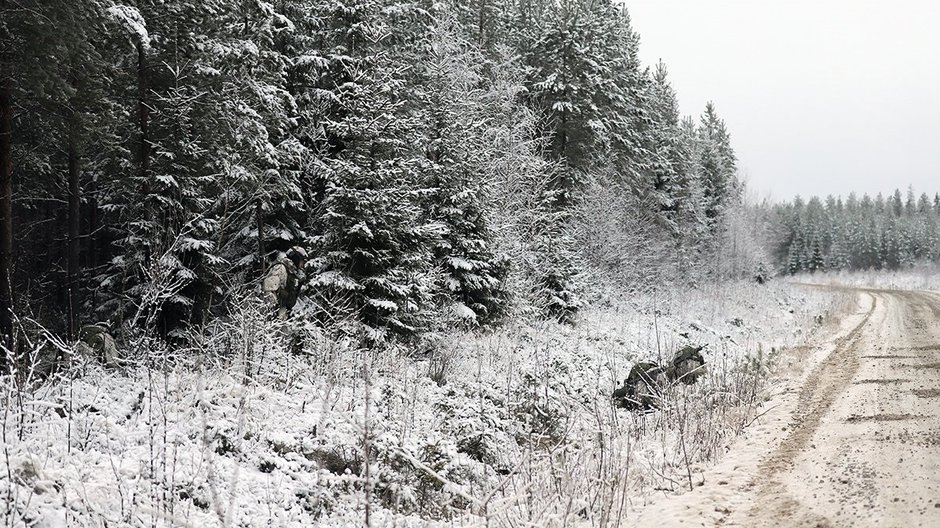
x=431 y=159
x=394 y=263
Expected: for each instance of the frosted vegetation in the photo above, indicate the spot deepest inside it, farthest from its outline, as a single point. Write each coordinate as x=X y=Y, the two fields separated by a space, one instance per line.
x=439 y=163
x=494 y=211
x=509 y=427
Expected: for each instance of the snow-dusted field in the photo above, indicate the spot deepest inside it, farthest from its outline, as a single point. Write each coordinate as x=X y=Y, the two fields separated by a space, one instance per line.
x=921 y=277
x=512 y=427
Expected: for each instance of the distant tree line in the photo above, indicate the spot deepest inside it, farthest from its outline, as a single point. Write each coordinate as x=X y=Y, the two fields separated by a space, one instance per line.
x=857 y=234
x=438 y=161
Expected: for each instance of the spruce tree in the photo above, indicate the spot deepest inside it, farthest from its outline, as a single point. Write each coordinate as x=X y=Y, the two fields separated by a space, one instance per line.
x=372 y=261
x=572 y=77
x=454 y=171
x=718 y=166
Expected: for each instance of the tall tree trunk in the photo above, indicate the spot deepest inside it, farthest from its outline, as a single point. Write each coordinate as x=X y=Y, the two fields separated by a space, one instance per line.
x=74 y=224
x=143 y=113
x=91 y=250
x=6 y=211
x=481 y=41
x=92 y=246
x=259 y=219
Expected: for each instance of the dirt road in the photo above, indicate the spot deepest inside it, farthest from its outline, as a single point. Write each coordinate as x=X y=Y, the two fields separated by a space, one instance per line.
x=853 y=438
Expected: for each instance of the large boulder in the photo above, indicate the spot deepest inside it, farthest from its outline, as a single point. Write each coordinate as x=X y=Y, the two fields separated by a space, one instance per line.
x=642 y=389
x=688 y=365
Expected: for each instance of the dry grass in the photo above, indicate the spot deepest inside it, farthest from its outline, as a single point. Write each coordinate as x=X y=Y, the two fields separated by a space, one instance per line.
x=506 y=428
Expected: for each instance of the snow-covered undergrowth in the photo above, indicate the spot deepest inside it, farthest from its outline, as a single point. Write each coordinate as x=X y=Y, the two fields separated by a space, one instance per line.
x=513 y=427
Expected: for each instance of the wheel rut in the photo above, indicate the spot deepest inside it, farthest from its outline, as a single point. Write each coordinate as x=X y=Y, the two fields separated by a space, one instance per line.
x=854 y=440
x=773 y=504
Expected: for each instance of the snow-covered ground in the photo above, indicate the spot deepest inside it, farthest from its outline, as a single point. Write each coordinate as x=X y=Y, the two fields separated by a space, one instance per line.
x=920 y=277
x=510 y=427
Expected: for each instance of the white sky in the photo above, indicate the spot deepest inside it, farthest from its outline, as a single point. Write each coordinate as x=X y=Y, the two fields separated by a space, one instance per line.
x=825 y=96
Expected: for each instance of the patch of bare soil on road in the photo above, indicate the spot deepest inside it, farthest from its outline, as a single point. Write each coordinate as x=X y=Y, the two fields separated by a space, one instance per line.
x=856 y=418
x=922 y=365
x=884 y=381
x=924 y=348
x=920 y=439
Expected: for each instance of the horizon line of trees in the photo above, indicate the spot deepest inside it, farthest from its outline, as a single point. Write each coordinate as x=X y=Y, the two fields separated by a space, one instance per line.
x=855 y=233
x=440 y=162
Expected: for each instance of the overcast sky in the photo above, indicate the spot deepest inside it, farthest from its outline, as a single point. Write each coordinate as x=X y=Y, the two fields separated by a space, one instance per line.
x=824 y=96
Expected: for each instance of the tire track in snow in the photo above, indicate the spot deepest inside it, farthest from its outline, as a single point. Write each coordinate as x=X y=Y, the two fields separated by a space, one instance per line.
x=773 y=505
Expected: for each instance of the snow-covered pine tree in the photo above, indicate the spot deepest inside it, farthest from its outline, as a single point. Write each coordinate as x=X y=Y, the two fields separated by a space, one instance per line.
x=265 y=74
x=572 y=77
x=693 y=223
x=910 y=204
x=923 y=205
x=672 y=168
x=167 y=270
x=453 y=144
x=797 y=248
x=718 y=166
x=373 y=259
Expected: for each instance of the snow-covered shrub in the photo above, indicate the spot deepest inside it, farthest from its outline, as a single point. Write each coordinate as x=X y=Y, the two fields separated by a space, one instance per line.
x=242 y=429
